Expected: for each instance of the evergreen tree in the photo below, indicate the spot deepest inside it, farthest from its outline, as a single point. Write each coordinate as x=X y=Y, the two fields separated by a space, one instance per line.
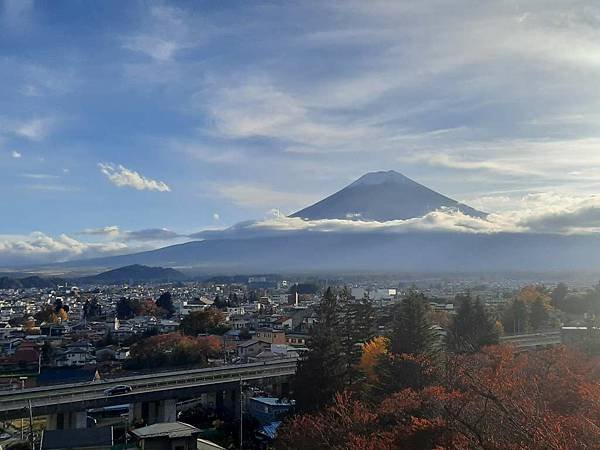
x=412 y=339
x=125 y=308
x=220 y=303
x=515 y=318
x=538 y=315
x=471 y=328
x=320 y=373
x=412 y=331
x=559 y=294
x=485 y=325
x=165 y=301
x=356 y=329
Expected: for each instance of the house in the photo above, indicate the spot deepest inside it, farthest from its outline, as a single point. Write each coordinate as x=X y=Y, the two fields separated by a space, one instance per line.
x=238 y=322
x=101 y=438
x=167 y=436
x=269 y=409
x=296 y=339
x=29 y=354
x=277 y=351
x=106 y=353
x=53 y=330
x=199 y=304
x=167 y=326
x=122 y=353
x=236 y=311
x=74 y=357
x=283 y=323
x=251 y=348
x=271 y=336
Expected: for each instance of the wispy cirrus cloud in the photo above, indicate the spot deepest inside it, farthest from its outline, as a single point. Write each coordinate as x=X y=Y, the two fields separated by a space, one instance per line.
x=121 y=176
x=35 y=129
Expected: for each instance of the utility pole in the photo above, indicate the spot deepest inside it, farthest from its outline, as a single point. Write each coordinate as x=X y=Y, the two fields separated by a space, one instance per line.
x=31 y=437
x=22 y=418
x=241 y=415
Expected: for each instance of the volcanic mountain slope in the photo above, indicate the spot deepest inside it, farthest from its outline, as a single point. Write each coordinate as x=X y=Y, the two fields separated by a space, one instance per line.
x=135 y=273
x=382 y=196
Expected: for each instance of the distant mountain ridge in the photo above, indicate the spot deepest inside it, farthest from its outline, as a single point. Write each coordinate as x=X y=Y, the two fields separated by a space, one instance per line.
x=135 y=273
x=10 y=282
x=381 y=197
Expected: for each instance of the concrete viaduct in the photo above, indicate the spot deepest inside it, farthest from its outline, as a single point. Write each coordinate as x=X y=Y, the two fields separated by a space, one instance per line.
x=153 y=398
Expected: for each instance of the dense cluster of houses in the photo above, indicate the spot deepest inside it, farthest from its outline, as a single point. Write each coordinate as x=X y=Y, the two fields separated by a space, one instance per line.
x=262 y=324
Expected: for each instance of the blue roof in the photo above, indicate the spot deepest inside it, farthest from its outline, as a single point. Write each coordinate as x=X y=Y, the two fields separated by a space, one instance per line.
x=270 y=430
x=273 y=401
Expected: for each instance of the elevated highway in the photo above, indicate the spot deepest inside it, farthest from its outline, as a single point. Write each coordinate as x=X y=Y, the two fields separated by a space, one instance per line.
x=161 y=386
x=531 y=341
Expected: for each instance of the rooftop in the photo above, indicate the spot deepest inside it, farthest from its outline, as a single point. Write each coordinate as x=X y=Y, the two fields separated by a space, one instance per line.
x=165 y=429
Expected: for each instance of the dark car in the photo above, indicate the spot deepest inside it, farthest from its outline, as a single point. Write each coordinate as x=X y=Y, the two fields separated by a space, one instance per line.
x=118 y=390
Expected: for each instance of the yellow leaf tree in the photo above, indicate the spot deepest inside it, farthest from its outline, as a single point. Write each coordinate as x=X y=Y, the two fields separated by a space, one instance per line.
x=371 y=352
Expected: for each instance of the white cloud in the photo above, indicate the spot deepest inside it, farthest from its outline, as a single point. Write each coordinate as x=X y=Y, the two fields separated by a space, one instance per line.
x=38 y=247
x=108 y=231
x=166 y=31
x=151 y=234
x=155 y=47
x=216 y=216
x=15 y=154
x=258 y=108
x=34 y=129
x=39 y=176
x=443 y=220
x=121 y=176
x=113 y=232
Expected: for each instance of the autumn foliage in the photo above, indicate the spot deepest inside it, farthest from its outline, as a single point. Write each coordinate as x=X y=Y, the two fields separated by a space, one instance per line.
x=371 y=352
x=174 y=349
x=495 y=399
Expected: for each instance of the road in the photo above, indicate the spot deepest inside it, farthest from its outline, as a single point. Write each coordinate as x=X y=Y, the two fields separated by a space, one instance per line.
x=533 y=340
x=80 y=396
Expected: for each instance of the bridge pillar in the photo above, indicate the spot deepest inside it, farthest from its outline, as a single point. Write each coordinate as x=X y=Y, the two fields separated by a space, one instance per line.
x=219 y=404
x=167 y=410
x=231 y=401
x=135 y=414
x=67 y=420
x=153 y=412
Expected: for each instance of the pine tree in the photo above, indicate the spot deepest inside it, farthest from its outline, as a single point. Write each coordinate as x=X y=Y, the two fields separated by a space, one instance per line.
x=320 y=373
x=412 y=339
x=485 y=325
x=412 y=331
x=356 y=329
x=166 y=302
x=471 y=328
x=516 y=317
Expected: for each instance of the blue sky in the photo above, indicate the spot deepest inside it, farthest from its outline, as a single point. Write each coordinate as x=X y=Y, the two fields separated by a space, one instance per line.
x=120 y=120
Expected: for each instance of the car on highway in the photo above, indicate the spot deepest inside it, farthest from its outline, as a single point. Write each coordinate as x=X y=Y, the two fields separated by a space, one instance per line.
x=118 y=390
